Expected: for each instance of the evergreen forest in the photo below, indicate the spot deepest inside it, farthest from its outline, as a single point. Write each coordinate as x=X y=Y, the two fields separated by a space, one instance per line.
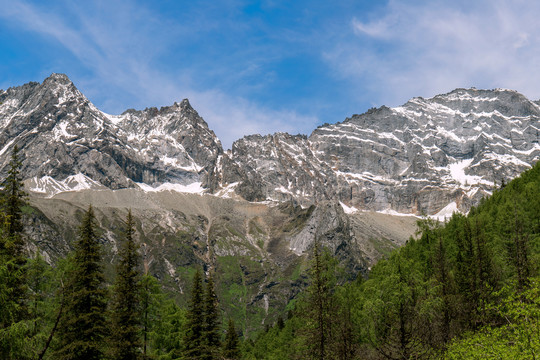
x=468 y=288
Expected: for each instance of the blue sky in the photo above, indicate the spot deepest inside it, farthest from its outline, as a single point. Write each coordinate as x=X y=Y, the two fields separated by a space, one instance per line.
x=261 y=67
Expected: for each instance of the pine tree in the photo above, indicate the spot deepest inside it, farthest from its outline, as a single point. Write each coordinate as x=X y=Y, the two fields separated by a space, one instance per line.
x=345 y=345
x=442 y=275
x=126 y=314
x=83 y=330
x=195 y=320
x=519 y=253
x=14 y=332
x=13 y=198
x=319 y=305
x=14 y=313
x=466 y=274
x=231 y=349
x=151 y=303
x=211 y=336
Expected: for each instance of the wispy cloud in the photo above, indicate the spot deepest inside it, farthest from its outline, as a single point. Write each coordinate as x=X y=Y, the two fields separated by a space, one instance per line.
x=427 y=47
x=123 y=45
x=260 y=67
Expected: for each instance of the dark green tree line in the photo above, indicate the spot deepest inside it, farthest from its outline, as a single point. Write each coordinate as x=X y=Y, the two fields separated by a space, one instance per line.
x=126 y=310
x=84 y=328
x=203 y=338
x=15 y=329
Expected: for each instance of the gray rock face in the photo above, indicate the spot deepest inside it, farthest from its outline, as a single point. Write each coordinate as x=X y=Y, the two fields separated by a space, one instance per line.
x=61 y=134
x=431 y=152
x=279 y=167
x=428 y=156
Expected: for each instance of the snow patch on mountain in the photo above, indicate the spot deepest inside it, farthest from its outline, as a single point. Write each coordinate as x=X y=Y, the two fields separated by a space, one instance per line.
x=46 y=185
x=457 y=171
x=348 y=209
x=446 y=212
x=6 y=147
x=194 y=188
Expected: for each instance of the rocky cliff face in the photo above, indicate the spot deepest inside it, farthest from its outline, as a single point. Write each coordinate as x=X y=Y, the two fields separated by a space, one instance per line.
x=67 y=143
x=428 y=156
x=429 y=153
x=279 y=167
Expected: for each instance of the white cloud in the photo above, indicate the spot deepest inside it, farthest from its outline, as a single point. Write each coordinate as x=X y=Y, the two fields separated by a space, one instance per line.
x=375 y=29
x=427 y=47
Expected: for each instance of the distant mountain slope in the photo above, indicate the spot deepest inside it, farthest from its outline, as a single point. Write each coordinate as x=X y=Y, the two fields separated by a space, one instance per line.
x=427 y=156
x=256 y=252
x=429 y=153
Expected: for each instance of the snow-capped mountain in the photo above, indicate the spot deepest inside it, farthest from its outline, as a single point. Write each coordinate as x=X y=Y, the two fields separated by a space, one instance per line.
x=449 y=150
x=431 y=156
x=62 y=134
x=428 y=156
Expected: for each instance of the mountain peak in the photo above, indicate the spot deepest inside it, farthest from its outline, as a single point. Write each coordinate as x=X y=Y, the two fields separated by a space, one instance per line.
x=58 y=78
x=62 y=88
x=184 y=104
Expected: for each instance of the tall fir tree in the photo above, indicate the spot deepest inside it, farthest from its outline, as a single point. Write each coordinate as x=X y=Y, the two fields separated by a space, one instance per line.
x=151 y=299
x=193 y=341
x=319 y=311
x=211 y=336
x=13 y=198
x=445 y=292
x=231 y=349
x=83 y=330
x=126 y=311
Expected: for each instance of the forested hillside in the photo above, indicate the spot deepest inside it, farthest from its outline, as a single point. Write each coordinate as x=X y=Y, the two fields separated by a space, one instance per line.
x=468 y=288
x=465 y=289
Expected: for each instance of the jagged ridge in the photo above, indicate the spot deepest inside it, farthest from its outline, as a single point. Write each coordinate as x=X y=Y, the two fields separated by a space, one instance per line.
x=428 y=156
x=61 y=134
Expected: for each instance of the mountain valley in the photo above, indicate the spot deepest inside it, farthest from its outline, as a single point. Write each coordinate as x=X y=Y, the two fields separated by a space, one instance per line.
x=251 y=214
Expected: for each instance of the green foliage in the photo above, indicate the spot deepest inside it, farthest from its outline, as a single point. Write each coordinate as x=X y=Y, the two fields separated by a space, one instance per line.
x=169 y=331
x=195 y=320
x=210 y=333
x=14 y=334
x=84 y=328
x=126 y=312
x=318 y=307
x=15 y=324
x=447 y=281
x=276 y=343
x=392 y=313
x=321 y=326
x=517 y=338
x=231 y=345
x=162 y=321
x=202 y=339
